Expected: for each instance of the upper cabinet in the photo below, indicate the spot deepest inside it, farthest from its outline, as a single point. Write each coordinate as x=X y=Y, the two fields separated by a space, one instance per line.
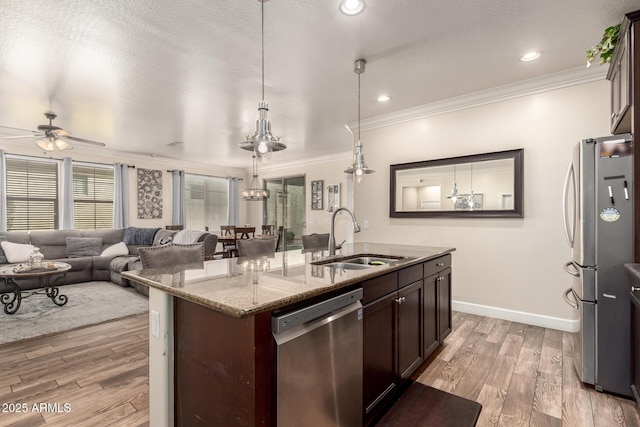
x=621 y=76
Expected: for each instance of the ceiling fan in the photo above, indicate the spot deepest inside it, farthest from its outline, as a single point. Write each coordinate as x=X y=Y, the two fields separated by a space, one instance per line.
x=50 y=137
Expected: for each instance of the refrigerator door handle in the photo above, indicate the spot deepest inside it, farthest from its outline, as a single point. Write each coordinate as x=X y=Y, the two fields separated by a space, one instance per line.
x=573 y=303
x=573 y=271
x=569 y=229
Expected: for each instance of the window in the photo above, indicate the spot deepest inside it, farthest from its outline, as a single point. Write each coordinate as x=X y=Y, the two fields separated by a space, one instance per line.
x=206 y=202
x=92 y=196
x=32 y=194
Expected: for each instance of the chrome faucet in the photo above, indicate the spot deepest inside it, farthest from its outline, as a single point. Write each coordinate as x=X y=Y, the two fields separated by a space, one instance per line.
x=332 y=235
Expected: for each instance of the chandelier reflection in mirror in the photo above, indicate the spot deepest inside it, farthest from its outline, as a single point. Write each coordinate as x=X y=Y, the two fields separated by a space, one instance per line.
x=454 y=189
x=255 y=267
x=262 y=142
x=359 y=168
x=255 y=191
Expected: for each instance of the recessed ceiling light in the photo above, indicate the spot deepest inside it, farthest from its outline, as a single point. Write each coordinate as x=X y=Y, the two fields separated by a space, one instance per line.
x=351 y=7
x=383 y=98
x=530 y=56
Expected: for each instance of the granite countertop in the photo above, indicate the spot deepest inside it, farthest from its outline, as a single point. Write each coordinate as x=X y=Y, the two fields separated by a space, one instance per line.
x=227 y=285
x=634 y=270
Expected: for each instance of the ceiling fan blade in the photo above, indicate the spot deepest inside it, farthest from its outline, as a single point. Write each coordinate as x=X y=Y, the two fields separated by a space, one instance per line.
x=20 y=136
x=85 y=141
x=62 y=132
x=13 y=130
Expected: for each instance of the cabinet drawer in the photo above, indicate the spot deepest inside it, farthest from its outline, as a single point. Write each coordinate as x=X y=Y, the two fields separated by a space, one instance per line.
x=438 y=264
x=409 y=275
x=378 y=287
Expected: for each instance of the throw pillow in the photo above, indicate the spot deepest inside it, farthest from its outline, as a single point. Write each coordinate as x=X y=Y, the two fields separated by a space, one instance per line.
x=83 y=246
x=16 y=252
x=3 y=257
x=116 y=250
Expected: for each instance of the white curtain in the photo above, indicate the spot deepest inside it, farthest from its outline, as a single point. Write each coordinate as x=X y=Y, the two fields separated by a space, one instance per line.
x=120 y=195
x=3 y=190
x=178 y=216
x=234 y=201
x=66 y=194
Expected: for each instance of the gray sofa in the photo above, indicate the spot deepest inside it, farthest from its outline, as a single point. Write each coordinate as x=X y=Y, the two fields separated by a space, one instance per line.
x=53 y=245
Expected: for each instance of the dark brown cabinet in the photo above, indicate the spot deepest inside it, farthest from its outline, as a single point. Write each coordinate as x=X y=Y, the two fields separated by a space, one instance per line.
x=620 y=76
x=406 y=317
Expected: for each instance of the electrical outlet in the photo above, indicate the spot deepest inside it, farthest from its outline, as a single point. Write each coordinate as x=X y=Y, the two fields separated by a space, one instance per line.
x=366 y=224
x=155 y=324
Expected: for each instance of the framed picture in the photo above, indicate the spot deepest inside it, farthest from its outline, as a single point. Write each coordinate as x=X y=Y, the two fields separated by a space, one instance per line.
x=316 y=195
x=333 y=197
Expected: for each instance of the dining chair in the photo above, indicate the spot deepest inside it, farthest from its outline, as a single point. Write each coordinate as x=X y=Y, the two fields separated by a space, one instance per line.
x=245 y=232
x=228 y=240
x=267 y=230
x=254 y=248
x=279 y=240
x=315 y=242
x=191 y=255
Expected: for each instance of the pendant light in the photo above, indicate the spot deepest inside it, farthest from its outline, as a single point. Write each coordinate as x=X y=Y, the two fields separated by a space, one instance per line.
x=359 y=168
x=454 y=189
x=254 y=192
x=471 y=204
x=263 y=143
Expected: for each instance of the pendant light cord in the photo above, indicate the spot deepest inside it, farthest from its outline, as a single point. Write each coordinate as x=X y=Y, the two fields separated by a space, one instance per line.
x=359 y=107
x=262 y=51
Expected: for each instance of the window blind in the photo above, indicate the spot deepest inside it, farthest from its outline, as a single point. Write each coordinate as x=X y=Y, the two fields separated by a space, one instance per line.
x=92 y=196
x=32 y=194
x=206 y=202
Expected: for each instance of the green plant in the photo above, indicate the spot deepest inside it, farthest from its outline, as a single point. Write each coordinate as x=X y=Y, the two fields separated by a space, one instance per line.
x=289 y=236
x=606 y=46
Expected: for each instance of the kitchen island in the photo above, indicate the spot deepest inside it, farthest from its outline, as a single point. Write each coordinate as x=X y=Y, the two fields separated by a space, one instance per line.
x=211 y=349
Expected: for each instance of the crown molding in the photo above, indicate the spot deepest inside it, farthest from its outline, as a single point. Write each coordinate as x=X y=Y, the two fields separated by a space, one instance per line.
x=572 y=77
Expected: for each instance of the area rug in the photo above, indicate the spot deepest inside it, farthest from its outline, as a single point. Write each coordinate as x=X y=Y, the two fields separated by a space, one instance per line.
x=89 y=303
x=421 y=405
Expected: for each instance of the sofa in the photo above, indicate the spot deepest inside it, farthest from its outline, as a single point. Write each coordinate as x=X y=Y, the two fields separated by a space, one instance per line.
x=82 y=249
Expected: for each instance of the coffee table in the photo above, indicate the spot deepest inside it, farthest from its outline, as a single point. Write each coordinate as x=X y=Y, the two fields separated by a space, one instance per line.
x=48 y=277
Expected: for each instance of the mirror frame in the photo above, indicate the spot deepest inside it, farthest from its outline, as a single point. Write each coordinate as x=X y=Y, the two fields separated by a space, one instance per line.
x=518 y=187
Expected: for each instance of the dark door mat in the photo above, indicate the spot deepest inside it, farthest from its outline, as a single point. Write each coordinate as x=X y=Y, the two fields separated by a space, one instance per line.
x=421 y=405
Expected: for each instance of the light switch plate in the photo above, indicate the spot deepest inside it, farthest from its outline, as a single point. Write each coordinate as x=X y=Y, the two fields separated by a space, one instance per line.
x=366 y=224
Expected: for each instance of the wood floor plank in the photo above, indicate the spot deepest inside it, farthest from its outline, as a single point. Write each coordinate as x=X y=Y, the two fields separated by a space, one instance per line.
x=471 y=383
x=499 y=375
x=518 y=403
x=499 y=331
x=576 y=406
x=547 y=397
x=486 y=325
x=607 y=411
x=534 y=337
x=511 y=345
x=630 y=411
x=492 y=400
x=550 y=361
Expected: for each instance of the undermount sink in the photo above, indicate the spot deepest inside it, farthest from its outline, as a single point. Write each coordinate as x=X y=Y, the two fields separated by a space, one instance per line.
x=358 y=262
x=371 y=260
x=346 y=266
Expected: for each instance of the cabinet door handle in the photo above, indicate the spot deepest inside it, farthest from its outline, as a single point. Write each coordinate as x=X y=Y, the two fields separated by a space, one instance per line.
x=440 y=264
x=400 y=300
x=635 y=288
x=614 y=115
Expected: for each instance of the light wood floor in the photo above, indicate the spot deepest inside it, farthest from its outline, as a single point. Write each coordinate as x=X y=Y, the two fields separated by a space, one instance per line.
x=101 y=372
x=521 y=374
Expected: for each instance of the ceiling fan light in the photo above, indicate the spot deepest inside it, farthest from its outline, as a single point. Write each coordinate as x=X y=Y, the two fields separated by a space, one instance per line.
x=61 y=144
x=46 y=144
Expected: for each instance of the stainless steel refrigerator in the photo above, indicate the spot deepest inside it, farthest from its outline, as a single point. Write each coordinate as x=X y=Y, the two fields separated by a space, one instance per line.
x=598 y=220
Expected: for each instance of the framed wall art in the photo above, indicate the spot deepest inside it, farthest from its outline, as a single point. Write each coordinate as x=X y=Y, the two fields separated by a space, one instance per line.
x=316 y=195
x=149 y=194
x=333 y=197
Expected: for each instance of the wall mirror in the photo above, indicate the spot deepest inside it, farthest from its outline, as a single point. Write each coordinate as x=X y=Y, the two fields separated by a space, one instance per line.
x=479 y=185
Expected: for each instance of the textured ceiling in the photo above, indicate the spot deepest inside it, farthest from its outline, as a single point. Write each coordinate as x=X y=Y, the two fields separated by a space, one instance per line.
x=139 y=75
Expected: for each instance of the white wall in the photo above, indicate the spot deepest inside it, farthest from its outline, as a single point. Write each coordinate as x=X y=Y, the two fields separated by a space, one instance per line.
x=80 y=153
x=508 y=264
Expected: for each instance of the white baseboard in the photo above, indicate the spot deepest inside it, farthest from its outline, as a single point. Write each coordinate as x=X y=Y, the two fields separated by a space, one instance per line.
x=566 y=325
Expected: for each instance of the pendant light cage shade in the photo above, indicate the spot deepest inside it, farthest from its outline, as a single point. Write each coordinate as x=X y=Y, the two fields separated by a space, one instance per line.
x=359 y=167
x=262 y=142
x=255 y=192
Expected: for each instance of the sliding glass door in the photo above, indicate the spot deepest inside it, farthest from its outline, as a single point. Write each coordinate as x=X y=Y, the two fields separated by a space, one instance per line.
x=285 y=208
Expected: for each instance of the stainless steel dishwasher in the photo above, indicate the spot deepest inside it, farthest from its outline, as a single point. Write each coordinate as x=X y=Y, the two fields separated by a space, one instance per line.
x=319 y=363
